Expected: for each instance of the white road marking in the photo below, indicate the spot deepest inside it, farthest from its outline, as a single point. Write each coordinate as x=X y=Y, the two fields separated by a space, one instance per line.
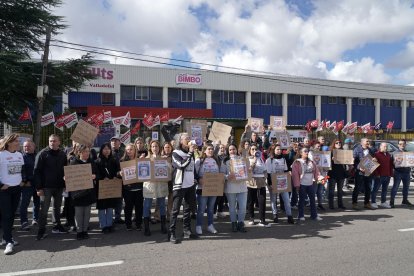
x=63 y=268
x=406 y=230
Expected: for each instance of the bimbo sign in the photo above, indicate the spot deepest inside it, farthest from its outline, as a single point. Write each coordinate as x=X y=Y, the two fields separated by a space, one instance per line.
x=188 y=79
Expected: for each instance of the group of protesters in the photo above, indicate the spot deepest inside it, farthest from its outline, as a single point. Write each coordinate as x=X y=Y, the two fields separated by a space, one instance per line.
x=27 y=176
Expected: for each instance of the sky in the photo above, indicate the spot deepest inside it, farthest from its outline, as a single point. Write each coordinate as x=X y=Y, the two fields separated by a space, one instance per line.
x=349 y=40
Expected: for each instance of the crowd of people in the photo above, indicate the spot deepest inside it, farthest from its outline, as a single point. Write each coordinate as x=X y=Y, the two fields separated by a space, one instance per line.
x=27 y=176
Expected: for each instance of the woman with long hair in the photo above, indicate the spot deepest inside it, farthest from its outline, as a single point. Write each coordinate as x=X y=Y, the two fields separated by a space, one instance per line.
x=166 y=152
x=157 y=190
x=108 y=168
x=11 y=164
x=304 y=172
x=207 y=163
x=132 y=193
x=336 y=177
x=236 y=193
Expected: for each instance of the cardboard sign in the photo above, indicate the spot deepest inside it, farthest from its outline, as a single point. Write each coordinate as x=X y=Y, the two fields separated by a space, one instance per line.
x=220 y=132
x=240 y=169
x=110 y=188
x=144 y=169
x=84 y=134
x=256 y=124
x=368 y=165
x=161 y=170
x=322 y=159
x=78 y=177
x=343 y=157
x=283 y=139
x=129 y=172
x=197 y=129
x=281 y=182
x=213 y=184
x=403 y=159
x=277 y=123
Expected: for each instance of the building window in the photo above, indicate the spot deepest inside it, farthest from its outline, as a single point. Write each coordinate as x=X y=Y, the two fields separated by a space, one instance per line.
x=277 y=99
x=156 y=93
x=301 y=100
x=141 y=93
x=200 y=96
x=410 y=103
x=332 y=100
x=186 y=95
x=266 y=98
x=127 y=92
x=239 y=97
x=362 y=101
x=256 y=99
x=173 y=94
x=228 y=97
x=391 y=103
x=369 y=102
x=108 y=99
x=341 y=100
x=216 y=96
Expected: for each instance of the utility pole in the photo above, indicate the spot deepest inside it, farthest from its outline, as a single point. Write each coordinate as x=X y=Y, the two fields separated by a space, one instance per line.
x=42 y=89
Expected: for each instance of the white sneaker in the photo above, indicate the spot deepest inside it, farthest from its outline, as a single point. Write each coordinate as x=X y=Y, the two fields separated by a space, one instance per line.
x=385 y=205
x=3 y=242
x=318 y=218
x=211 y=229
x=9 y=249
x=374 y=205
x=199 y=231
x=221 y=215
x=264 y=224
x=251 y=222
x=302 y=219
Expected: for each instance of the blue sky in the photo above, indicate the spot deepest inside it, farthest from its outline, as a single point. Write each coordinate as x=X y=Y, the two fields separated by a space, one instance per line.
x=350 y=40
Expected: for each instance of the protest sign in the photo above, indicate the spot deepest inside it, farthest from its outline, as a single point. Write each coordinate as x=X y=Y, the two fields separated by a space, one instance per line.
x=220 y=132
x=84 y=133
x=277 y=123
x=281 y=182
x=343 y=157
x=78 y=177
x=129 y=172
x=368 y=165
x=161 y=170
x=322 y=159
x=256 y=124
x=213 y=184
x=110 y=188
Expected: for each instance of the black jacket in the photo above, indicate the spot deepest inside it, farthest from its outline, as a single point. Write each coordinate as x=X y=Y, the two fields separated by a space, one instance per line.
x=84 y=197
x=29 y=162
x=48 y=169
x=106 y=168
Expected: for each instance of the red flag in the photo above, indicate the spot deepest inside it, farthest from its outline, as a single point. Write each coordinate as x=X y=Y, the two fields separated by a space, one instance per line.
x=165 y=117
x=148 y=121
x=136 y=128
x=340 y=125
x=308 y=127
x=96 y=119
x=390 y=125
x=314 y=123
x=26 y=115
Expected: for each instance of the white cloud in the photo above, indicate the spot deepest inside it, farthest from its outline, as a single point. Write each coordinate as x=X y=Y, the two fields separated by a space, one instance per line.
x=405 y=58
x=407 y=75
x=364 y=70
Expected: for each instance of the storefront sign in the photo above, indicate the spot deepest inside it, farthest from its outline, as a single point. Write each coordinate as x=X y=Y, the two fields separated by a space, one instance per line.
x=188 y=79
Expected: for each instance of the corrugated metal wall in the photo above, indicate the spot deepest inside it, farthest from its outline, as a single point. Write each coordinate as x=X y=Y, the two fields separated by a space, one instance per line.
x=363 y=114
x=231 y=111
x=299 y=115
x=391 y=114
x=410 y=118
x=265 y=111
x=333 y=112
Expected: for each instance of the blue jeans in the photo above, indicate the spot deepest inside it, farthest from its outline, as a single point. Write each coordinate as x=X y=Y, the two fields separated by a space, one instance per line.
x=273 y=201
x=27 y=193
x=398 y=177
x=105 y=217
x=148 y=205
x=307 y=191
x=241 y=199
x=204 y=201
x=382 y=182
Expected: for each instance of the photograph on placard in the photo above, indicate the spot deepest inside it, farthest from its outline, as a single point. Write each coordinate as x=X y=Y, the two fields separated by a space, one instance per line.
x=343 y=157
x=398 y=159
x=409 y=159
x=255 y=124
x=239 y=168
x=144 y=169
x=161 y=169
x=277 y=122
x=284 y=140
x=154 y=136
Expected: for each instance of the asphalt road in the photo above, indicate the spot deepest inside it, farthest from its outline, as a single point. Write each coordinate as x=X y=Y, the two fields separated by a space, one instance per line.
x=348 y=242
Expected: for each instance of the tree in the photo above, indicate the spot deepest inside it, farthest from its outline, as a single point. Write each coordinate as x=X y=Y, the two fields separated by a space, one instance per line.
x=23 y=27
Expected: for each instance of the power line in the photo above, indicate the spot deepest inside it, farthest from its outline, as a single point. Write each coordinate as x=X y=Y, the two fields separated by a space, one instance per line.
x=271 y=78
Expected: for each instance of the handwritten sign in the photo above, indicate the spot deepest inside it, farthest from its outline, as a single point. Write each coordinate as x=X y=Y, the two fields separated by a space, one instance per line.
x=343 y=157
x=255 y=124
x=213 y=184
x=277 y=123
x=84 y=133
x=281 y=182
x=220 y=132
x=110 y=188
x=129 y=172
x=78 y=177
x=368 y=165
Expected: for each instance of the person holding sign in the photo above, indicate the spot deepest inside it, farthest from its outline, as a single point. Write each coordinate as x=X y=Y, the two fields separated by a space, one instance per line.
x=207 y=163
x=382 y=176
x=304 y=172
x=319 y=187
x=401 y=174
x=132 y=193
x=361 y=180
x=256 y=188
x=336 y=177
x=254 y=138
x=236 y=192
x=157 y=190
x=11 y=164
x=183 y=186
x=276 y=163
x=83 y=199
x=108 y=167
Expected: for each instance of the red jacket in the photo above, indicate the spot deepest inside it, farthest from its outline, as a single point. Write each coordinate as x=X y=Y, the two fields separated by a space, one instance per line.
x=386 y=166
